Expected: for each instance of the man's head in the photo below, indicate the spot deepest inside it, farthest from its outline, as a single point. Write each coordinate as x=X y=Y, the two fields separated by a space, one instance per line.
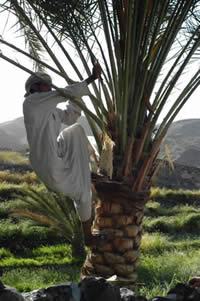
x=38 y=82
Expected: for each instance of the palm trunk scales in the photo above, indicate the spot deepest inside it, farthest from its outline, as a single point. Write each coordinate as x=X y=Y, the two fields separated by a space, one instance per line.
x=118 y=212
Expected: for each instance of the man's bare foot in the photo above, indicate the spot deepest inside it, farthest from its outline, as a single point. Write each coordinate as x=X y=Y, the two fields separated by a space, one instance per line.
x=94 y=239
x=194 y=282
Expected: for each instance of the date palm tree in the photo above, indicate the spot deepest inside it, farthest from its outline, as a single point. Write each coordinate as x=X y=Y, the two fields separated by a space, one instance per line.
x=145 y=49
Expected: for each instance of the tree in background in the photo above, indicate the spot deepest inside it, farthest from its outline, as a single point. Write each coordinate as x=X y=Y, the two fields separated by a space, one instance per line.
x=144 y=48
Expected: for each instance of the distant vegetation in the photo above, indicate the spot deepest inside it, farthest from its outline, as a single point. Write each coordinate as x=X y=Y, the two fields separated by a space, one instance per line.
x=13 y=158
x=18 y=178
x=33 y=256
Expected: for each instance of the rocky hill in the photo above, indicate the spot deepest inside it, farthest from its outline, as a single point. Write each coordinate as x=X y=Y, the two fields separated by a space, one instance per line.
x=13 y=135
x=182 y=140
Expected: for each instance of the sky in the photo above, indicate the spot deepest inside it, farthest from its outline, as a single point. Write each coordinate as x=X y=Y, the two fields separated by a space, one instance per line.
x=12 y=82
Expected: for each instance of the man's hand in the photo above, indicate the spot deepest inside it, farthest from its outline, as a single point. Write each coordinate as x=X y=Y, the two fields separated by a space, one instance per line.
x=96 y=71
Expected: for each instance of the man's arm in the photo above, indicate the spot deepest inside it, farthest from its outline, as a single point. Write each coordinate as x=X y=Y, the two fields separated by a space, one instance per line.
x=72 y=112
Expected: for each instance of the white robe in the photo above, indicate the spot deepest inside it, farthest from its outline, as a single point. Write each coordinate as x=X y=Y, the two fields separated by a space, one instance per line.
x=60 y=159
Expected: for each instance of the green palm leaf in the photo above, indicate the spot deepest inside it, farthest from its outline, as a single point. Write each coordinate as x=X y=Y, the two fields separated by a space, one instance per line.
x=49 y=209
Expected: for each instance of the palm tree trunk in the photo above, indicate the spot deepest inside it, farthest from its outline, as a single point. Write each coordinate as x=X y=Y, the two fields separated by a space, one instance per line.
x=120 y=212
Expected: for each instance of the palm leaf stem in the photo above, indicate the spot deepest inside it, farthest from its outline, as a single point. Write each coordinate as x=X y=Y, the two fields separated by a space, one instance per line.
x=15 y=63
x=85 y=64
x=166 y=41
x=138 y=110
x=161 y=92
x=101 y=107
x=40 y=38
x=78 y=49
x=147 y=49
x=172 y=84
x=168 y=88
x=186 y=97
x=107 y=75
x=133 y=77
x=68 y=79
x=118 y=49
x=60 y=90
x=147 y=168
x=31 y=57
x=174 y=25
x=58 y=43
x=93 y=59
x=115 y=44
x=183 y=97
x=109 y=101
x=144 y=169
x=138 y=150
x=95 y=132
x=136 y=38
x=156 y=38
x=109 y=45
x=123 y=129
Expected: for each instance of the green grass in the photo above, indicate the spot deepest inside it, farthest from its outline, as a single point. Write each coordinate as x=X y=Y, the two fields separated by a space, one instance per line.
x=52 y=255
x=43 y=266
x=161 y=272
x=20 y=235
x=160 y=243
x=172 y=196
x=189 y=223
x=13 y=158
x=28 y=279
x=18 y=178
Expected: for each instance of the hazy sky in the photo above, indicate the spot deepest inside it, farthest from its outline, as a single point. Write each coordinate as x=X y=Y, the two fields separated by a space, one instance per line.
x=12 y=82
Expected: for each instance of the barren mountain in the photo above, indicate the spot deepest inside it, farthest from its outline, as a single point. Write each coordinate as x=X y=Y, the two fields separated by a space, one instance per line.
x=183 y=142
x=13 y=134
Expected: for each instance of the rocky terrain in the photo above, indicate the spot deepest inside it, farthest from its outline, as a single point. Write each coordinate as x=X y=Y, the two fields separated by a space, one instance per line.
x=94 y=289
x=13 y=134
x=182 y=140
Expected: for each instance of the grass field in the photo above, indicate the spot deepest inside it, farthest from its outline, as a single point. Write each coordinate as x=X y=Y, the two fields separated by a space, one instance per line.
x=32 y=256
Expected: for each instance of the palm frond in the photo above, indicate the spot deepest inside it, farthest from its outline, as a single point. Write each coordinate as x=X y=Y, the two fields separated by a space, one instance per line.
x=49 y=209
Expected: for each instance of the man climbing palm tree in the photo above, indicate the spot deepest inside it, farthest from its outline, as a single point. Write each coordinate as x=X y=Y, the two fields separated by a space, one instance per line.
x=60 y=160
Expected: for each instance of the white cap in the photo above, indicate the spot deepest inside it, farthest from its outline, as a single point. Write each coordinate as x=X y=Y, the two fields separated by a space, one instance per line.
x=36 y=78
